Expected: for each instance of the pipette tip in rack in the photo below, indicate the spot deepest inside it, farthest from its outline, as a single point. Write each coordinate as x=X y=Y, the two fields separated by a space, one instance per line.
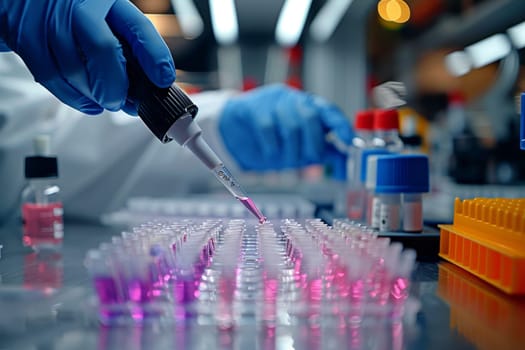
x=226 y=178
x=250 y=205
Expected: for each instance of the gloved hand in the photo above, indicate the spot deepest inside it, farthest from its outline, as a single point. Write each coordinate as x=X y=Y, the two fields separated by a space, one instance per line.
x=277 y=127
x=71 y=48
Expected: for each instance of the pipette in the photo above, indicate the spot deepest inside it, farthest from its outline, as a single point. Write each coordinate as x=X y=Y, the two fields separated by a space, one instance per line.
x=169 y=114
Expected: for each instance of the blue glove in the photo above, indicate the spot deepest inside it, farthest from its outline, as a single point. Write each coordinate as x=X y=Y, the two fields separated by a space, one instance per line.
x=70 y=47
x=276 y=127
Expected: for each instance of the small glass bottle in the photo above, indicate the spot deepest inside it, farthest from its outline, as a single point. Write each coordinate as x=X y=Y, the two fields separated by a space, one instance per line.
x=416 y=183
x=42 y=212
x=368 y=177
x=400 y=182
x=386 y=130
x=355 y=191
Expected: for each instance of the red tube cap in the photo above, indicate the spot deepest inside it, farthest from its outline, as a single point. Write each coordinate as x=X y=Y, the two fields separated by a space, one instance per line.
x=364 y=120
x=386 y=119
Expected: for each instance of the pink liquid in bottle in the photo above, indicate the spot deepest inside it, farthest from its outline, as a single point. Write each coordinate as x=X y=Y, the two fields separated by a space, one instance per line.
x=43 y=224
x=355 y=204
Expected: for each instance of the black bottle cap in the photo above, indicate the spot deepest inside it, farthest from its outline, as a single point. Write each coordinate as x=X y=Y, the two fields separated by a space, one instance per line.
x=158 y=107
x=41 y=167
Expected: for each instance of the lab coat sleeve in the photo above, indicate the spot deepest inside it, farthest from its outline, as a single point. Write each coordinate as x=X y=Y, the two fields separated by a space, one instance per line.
x=103 y=160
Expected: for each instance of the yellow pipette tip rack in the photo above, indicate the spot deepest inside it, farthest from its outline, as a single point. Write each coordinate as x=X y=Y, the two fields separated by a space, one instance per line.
x=487 y=238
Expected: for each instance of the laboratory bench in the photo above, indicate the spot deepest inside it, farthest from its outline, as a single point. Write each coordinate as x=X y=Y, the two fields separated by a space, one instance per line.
x=47 y=302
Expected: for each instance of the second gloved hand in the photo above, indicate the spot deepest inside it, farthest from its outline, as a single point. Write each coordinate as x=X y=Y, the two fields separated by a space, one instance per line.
x=277 y=127
x=71 y=48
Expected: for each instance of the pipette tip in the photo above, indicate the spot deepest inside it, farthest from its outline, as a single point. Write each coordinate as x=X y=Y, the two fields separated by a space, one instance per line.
x=250 y=205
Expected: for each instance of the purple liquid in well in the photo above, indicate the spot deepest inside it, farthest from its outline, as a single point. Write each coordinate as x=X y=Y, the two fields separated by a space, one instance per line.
x=186 y=291
x=106 y=290
x=250 y=205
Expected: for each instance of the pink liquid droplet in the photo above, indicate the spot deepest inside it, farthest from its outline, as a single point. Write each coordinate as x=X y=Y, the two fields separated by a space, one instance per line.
x=250 y=205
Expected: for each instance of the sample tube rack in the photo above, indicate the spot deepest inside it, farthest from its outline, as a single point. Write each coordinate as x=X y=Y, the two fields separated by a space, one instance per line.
x=230 y=273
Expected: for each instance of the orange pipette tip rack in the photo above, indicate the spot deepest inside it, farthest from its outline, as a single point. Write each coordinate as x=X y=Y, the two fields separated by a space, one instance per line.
x=487 y=238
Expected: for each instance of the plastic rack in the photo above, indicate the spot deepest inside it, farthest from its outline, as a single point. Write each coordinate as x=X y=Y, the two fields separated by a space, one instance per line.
x=487 y=238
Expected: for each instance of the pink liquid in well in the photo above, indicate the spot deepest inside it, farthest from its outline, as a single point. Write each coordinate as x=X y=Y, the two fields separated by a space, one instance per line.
x=250 y=205
x=226 y=290
x=379 y=285
x=139 y=291
x=400 y=290
x=357 y=291
x=271 y=287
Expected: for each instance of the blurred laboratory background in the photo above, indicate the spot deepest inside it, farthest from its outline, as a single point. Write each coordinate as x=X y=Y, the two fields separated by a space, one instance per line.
x=460 y=64
x=460 y=61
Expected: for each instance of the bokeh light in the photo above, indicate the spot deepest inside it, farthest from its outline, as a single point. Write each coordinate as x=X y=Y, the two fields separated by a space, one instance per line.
x=396 y=11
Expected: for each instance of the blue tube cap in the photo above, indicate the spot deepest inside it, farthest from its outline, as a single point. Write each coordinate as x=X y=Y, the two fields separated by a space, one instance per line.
x=402 y=173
